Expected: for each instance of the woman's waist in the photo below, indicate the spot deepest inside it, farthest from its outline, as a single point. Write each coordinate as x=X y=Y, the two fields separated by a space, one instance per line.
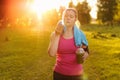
x=66 y=58
x=69 y=69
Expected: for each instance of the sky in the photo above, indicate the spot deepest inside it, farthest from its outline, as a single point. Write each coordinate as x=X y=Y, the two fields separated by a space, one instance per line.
x=57 y=3
x=40 y=6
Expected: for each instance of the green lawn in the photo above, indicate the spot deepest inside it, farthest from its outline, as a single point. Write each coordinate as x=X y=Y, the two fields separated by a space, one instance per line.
x=104 y=60
x=23 y=54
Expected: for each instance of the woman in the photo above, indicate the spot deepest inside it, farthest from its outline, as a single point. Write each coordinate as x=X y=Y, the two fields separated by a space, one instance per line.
x=64 y=46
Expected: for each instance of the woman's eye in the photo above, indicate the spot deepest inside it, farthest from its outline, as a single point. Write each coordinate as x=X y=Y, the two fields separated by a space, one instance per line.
x=69 y=16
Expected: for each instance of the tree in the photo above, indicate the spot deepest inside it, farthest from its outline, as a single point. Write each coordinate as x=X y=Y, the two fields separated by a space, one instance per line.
x=2 y=9
x=106 y=10
x=117 y=15
x=60 y=11
x=71 y=5
x=83 y=13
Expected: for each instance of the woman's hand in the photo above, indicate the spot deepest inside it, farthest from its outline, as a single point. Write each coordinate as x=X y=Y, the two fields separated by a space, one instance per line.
x=85 y=56
x=59 y=28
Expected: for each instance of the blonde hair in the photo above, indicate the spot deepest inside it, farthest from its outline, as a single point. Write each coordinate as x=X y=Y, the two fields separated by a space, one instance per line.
x=70 y=9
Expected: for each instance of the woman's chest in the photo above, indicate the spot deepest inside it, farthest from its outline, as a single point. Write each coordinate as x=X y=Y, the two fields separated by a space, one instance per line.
x=66 y=46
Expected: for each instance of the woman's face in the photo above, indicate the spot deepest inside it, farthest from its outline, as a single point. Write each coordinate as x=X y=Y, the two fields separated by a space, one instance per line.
x=69 y=18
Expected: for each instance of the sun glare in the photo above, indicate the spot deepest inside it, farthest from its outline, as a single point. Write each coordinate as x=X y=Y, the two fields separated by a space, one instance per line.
x=93 y=6
x=41 y=6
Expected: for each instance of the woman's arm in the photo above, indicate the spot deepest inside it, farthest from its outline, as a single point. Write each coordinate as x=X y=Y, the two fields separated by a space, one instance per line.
x=54 y=41
x=53 y=45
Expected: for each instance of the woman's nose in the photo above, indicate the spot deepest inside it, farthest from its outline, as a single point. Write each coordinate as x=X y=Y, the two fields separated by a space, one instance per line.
x=68 y=17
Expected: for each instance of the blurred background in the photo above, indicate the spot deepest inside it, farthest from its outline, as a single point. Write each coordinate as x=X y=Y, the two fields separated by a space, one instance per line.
x=25 y=28
x=49 y=12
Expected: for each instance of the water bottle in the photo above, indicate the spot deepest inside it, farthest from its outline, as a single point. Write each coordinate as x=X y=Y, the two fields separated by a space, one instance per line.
x=79 y=55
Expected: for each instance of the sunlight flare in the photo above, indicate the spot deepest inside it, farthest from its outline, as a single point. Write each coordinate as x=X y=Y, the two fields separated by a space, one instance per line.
x=42 y=6
x=93 y=5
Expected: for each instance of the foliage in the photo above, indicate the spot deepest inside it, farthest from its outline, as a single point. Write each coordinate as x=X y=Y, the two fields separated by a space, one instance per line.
x=60 y=11
x=117 y=15
x=106 y=10
x=2 y=9
x=71 y=5
x=83 y=13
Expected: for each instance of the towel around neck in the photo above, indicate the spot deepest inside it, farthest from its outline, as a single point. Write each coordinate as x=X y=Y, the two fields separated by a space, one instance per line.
x=79 y=36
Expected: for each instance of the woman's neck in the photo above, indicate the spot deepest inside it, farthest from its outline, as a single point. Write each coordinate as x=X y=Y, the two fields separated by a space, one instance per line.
x=69 y=28
x=68 y=33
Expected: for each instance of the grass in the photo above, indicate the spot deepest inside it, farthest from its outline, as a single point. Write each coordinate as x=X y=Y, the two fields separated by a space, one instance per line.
x=23 y=55
x=104 y=60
